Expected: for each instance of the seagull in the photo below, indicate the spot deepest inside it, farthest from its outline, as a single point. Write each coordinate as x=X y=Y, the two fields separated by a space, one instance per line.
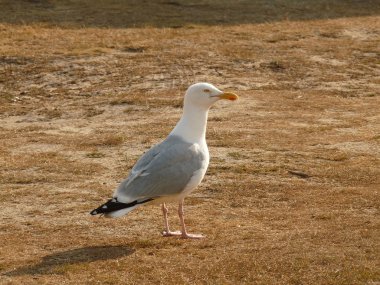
x=173 y=168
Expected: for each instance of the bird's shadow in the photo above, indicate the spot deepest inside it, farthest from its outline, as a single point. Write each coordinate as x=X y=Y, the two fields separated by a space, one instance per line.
x=53 y=263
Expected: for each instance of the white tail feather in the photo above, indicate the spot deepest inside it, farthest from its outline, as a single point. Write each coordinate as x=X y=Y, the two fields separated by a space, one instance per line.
x=119 y=213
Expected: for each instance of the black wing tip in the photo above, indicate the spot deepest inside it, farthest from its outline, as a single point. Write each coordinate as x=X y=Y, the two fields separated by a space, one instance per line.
x=113 y=205
x=101 y=209
x=94 y=212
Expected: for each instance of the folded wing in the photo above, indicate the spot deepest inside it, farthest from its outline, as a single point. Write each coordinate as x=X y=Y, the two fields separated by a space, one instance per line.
x=163 y=171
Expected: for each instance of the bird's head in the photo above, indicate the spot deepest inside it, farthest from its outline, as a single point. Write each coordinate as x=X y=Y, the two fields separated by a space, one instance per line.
x=205 y=94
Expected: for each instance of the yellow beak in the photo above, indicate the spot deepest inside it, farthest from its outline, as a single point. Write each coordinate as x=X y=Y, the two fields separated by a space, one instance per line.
x=228 y=95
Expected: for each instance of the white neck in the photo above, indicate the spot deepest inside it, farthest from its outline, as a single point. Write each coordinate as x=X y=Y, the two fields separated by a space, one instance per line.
x=192 y=125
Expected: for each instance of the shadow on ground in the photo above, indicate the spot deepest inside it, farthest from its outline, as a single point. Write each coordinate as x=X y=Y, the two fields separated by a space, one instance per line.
x=176 y=13
x=57 y=262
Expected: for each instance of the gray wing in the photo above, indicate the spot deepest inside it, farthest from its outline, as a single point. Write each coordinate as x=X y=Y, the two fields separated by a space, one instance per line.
x=163 y=171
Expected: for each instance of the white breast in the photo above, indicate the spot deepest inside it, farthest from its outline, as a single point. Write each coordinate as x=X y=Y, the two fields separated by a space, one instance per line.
x=198 y=175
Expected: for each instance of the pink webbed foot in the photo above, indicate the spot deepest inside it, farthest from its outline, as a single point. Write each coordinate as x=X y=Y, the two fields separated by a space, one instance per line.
x=192 y=236
x=171 y=234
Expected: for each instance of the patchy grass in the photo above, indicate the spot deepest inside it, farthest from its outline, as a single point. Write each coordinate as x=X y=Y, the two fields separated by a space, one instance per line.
x=292 y=192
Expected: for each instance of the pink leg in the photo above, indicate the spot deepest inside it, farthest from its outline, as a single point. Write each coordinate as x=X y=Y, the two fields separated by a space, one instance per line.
x=167 y=232
x=185 y=234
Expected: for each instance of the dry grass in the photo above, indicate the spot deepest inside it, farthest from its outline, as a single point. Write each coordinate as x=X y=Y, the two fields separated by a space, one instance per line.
x=292 y=193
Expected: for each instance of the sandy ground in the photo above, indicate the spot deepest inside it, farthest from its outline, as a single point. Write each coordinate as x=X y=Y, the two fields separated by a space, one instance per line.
x=292 y=191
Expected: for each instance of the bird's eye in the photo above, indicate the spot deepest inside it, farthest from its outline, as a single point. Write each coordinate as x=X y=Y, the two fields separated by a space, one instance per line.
x=206 y=90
